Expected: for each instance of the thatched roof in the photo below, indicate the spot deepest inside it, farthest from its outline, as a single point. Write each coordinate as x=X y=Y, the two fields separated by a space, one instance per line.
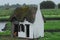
x=25 y=12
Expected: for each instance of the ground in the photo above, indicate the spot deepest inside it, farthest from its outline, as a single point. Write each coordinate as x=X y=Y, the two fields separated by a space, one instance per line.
x=10 y=38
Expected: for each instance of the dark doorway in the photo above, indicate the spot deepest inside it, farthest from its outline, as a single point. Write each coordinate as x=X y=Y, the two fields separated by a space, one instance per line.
x=22 y=27
x=27 y=30
x=16 y=29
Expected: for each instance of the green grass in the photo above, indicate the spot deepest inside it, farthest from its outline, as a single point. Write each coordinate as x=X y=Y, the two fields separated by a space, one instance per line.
x=45 y=12
x=8 y=26
x=5 y=33
x=4 y=12
x=52 y=36
x=52 y=25
x=48 y=36
x=4 y=17
x=51 y=16
x=50 y=11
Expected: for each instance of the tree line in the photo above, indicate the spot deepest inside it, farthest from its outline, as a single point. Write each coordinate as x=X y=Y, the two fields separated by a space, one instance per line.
x=43 y=5
x=49 y=5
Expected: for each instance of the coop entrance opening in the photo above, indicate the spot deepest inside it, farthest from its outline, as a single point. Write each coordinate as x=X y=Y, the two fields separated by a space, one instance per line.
x=27 y=30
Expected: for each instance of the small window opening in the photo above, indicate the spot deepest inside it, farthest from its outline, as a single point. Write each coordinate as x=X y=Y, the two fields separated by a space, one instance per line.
x=22 y=27
x=19 y=28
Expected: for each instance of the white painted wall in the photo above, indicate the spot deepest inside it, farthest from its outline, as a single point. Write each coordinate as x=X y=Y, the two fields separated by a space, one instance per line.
x=2 y=25
x=38 y=24
x=31 y=31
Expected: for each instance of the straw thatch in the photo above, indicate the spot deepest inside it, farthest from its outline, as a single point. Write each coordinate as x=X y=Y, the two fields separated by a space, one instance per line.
x=25 y=12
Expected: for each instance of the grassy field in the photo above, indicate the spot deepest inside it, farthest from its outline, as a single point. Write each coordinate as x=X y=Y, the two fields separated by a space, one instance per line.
x=5 y=33
x=52 y=25
x=52 y=36
x=51 y=12
x=45 y=12
x=48 y=36
x=48 y=13
x=4 y=12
